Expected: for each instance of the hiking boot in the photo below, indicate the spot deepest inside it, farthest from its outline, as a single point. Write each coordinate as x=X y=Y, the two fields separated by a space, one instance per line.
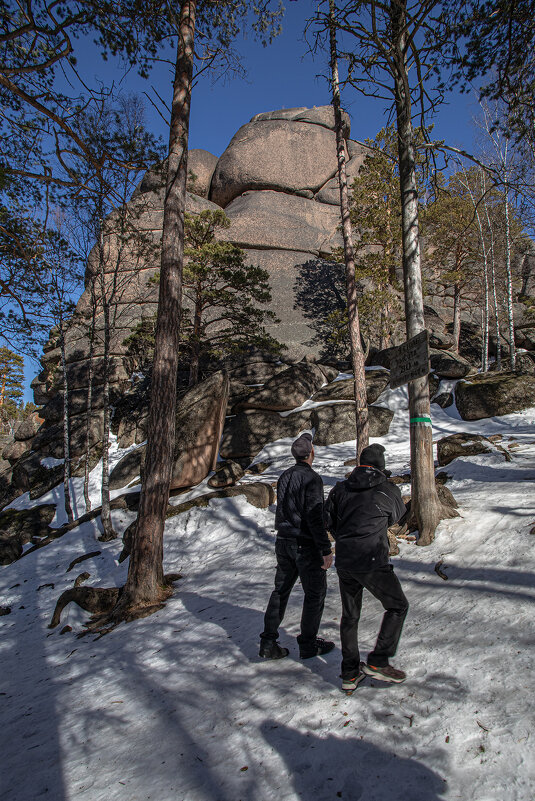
x=348 y=685
x=270 y=649
x=321 y=647
x=386 y=673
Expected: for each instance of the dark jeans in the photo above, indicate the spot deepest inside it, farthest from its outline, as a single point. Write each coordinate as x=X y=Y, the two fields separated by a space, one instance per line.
x=295 y=561
x=384 y=585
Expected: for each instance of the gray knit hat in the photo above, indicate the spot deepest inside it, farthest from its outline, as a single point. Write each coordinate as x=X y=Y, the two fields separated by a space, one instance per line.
x=302 y=447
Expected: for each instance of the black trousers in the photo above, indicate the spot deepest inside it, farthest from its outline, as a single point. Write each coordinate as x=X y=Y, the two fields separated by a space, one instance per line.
x=384 y=585
x=296 y=561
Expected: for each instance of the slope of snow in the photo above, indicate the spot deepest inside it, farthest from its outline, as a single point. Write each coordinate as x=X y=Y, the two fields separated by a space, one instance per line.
x=178 y=707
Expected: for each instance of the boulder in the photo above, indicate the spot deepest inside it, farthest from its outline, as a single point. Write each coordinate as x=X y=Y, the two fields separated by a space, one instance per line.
x=455 y=445
x=257 y=493
x=10 y=548
x=127 y=469
x=14 y=450
x=49 y=440
x=27 y=523
x=525 y=338
x=246 y=433
x=328 y=371
x=438 y=334
x=267 y=219
x=29 y=475
x=443 y=399
x=336 y=423
x=330 y=192
x=319 y=115
x=524 y=363
x=494 y=394
x=287 y=390
x=447 y=364
x=53 y=411
x=227 y=474
x=285 y=155
x=200 y=418
x=376 y=383
x=29 y=427
x=255 y=372
x=8 y=492
x=201 y=166
x=132 y=430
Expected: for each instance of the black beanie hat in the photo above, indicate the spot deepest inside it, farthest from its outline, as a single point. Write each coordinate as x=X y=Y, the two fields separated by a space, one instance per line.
x=302 y=447
x=374 y=455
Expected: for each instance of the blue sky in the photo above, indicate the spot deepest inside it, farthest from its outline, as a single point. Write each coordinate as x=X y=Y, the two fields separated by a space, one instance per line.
x=281 y=75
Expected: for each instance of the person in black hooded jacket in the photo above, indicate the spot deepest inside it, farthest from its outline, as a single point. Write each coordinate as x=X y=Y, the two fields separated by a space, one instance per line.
x=303 y=551
x=359 y=512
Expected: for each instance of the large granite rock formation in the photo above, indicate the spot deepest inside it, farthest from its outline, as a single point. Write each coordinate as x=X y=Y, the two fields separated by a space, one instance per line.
x=277 y=182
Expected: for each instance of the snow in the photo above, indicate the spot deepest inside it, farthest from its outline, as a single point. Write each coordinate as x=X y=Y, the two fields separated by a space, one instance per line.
x=178 y=706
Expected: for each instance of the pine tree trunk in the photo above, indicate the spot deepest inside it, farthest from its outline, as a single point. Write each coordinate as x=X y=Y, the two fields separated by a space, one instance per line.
x=145 y=582
x=66 y=430
x=425 y=505
x=196 y=347
x=456 y=317
x=357 y=355
x=105 y=514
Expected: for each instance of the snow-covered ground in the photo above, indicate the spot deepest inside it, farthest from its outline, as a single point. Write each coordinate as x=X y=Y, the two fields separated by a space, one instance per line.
x=178 y=707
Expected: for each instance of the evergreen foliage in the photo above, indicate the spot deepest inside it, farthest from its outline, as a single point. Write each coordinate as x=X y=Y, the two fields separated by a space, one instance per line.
x=223 y=314
x=11 y=383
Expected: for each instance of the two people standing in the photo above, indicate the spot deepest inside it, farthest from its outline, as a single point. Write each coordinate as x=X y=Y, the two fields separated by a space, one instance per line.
x=358 y=513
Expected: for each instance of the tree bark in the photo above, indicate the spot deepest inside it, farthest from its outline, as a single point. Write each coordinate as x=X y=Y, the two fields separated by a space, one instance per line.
x=494 y=290
x=357 y=355
x=145 y=582
x=485 y=315
x=509 y=279
x=196 y=343
x=425 y=505
x=105 y=515
x=89 y=412
x=456 y=317
x=66 y=429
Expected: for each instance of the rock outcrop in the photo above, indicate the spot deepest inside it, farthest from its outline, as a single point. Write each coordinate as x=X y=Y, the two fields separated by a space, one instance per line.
x=491 y=394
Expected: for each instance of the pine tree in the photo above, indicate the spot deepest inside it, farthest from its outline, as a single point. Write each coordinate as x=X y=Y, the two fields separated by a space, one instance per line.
x=11 y=382
x=224 y=294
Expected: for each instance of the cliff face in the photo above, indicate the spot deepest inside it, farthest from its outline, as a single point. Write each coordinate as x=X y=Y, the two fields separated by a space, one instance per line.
x=276 y=181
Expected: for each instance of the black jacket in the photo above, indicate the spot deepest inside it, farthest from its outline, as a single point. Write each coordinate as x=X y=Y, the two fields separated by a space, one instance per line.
x=299 y=512
x=358 y=513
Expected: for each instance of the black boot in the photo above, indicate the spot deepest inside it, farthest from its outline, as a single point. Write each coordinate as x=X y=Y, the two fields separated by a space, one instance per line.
x=319 y=648
x=270 y=649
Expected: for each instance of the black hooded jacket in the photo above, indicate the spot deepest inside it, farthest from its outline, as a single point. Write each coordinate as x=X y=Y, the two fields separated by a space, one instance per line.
x=299 y=512
x=358 y=513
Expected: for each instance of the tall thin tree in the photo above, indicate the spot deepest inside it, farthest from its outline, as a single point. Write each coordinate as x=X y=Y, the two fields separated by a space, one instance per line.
x=355 y=340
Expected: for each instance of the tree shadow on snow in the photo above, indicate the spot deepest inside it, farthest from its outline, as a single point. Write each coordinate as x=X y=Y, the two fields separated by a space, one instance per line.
x=475 y=579
x=345 y=766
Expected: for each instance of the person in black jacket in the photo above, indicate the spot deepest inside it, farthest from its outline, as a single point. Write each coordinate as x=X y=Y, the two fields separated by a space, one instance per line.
x=358 y=512
x=303 y=550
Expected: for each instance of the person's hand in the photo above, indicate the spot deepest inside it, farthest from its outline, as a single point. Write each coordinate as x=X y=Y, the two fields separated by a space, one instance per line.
x=327 y=561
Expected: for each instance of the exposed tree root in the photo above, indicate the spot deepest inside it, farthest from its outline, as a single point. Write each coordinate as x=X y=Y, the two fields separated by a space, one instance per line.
x=104 y=603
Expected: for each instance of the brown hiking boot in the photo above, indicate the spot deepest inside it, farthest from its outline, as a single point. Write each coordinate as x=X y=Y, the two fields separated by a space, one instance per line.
x=386 y=673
